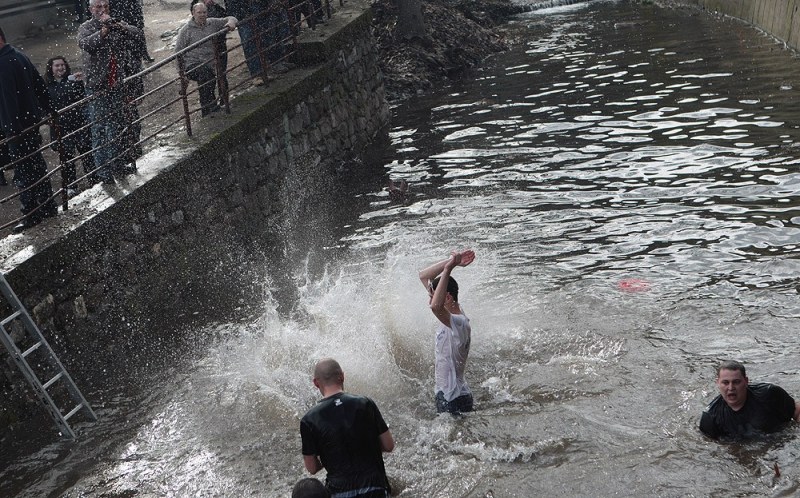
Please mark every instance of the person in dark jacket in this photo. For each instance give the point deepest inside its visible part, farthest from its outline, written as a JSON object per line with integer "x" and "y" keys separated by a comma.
{"x": 132, "y": 13}
{"x": 66, "y": 88}
{"x": 23, "y": 98}
{"x": 105, "y": 42}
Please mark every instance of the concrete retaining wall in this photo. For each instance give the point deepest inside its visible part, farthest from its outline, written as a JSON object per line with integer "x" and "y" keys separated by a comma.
{"x": 190, "y": 234}
{"x": 780, "y": 18}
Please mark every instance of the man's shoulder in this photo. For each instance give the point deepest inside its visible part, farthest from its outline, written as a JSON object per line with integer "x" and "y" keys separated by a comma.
{"x": 715, "y": 405}
{"x": 764, "y": 389}
{"x": 9, "y": 53}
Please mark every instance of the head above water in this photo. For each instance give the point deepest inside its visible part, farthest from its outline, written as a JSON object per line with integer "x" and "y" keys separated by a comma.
{"x": 732, "y": 383}
{"x": 731, "y": 365}
{"x": 452, "y": 287}
{"x": 328, "y": 372}
{"x": 309, "y": 487}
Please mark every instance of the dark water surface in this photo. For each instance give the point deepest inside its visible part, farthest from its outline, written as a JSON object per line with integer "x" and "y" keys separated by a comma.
{"x": 628, "y": 179}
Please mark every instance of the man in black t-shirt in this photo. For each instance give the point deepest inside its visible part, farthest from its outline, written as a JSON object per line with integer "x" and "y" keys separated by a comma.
{"x": 346, "y": 435}
{"x": 744, "y": 410}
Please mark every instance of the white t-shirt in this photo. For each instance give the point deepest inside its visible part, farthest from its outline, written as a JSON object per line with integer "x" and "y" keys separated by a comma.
{"x": 452, "y": 349}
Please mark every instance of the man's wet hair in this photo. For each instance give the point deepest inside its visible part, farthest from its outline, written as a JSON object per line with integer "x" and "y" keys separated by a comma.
{"x": 308, "y": 487}
{"x": 452, "y": 287}
{"x": 328, "y": 371}
{"x": 732, "y": 365}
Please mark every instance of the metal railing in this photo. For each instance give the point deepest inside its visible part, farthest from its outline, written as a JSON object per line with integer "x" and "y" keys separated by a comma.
{"x": 281, "y": 24}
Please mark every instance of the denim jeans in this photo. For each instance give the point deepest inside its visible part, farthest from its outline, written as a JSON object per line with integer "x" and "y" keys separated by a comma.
{"x": 107, "y": 117}
{"x": 247, "y": 32}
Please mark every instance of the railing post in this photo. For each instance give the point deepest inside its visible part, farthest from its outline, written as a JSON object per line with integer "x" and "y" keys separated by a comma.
{"x": 128, "y": 116}
{"x": 184, "y": 98}
{"x": 62, "y": 162}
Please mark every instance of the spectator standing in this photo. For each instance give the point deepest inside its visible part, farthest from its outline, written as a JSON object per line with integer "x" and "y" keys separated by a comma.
{"x": 346, "y": 435}
{"x": 65, "y": 89}
{"x": 216, "y": 11}
{"x": 23, "y": 97}
{"x": 104, "y": 42}
{"x": 200, "y": 60}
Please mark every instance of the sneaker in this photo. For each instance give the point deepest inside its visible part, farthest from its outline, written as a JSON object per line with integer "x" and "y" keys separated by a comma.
{"x": 27, "y": 223}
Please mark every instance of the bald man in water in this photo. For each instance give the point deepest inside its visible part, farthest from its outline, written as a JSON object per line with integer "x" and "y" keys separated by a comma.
{"x": 346, "y": 435}
{"x": 743, "y": 410}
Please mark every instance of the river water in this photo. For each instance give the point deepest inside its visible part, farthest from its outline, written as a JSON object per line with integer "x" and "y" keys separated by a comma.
{"x": 627, "y": 177}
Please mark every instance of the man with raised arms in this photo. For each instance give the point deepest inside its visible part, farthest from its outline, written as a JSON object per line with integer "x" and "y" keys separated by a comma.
{"x": 346, "y": 435}
{"x": 452, "y": 336}
{"x": 743, "y": 410}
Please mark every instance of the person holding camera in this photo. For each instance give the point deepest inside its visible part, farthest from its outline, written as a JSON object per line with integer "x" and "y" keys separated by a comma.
{"x": 106, "y": 43}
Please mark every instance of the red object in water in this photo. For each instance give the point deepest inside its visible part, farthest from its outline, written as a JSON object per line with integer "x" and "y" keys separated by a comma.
{"x": 633, "y": 285}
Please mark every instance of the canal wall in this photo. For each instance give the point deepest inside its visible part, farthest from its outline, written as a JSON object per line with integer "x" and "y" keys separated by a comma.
{"x": 189, "y": 237}
{"x": 780, "y": 18}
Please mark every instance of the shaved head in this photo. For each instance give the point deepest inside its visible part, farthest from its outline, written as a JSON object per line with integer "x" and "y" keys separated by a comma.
{"x": 328, "y": 372}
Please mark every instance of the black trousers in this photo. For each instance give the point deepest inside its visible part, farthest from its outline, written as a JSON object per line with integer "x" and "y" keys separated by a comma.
{"x": 206, "y": 80}
{"x": 28, "y": 172}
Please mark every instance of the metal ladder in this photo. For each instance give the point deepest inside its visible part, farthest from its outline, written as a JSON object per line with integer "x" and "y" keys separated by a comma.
{"x": 57, "y": 372}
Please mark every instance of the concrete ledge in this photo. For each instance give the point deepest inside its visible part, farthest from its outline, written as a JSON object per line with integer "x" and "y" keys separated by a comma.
{"x": 191, "y": 233}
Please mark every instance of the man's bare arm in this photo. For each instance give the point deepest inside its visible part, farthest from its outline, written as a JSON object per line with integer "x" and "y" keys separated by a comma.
{"x": 387, "y": 442}
{"x": 312, "y": 463}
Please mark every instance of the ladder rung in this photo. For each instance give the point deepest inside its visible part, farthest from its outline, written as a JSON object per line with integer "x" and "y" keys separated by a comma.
{"x": 73, "y": 411}
{"x": 32, "y": 349}
{"x": 11, "y": 317}
{"x": 51, "y": 381}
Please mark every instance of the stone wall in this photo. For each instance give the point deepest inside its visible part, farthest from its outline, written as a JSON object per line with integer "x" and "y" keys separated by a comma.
{"x": 190, "y": 237}
{"x": 780, "y": 18}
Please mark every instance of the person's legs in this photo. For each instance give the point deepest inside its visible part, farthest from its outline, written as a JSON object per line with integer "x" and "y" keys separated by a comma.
{"x": 27, "y": 173}
{"x": 276, "y": 30}
{"x": 247, "y": 34}
{"x": 104, "y": 113}
{"x": 206, "y": 81}
{"x": 457, "y": 406}
{"x": 84, "y": 146}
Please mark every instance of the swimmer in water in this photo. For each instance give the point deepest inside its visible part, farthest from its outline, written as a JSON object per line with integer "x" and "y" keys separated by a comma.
{"x": 453, "y": 335}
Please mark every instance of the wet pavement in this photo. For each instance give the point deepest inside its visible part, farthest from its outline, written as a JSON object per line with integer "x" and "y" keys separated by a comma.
{"x": 162, "y": 20}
